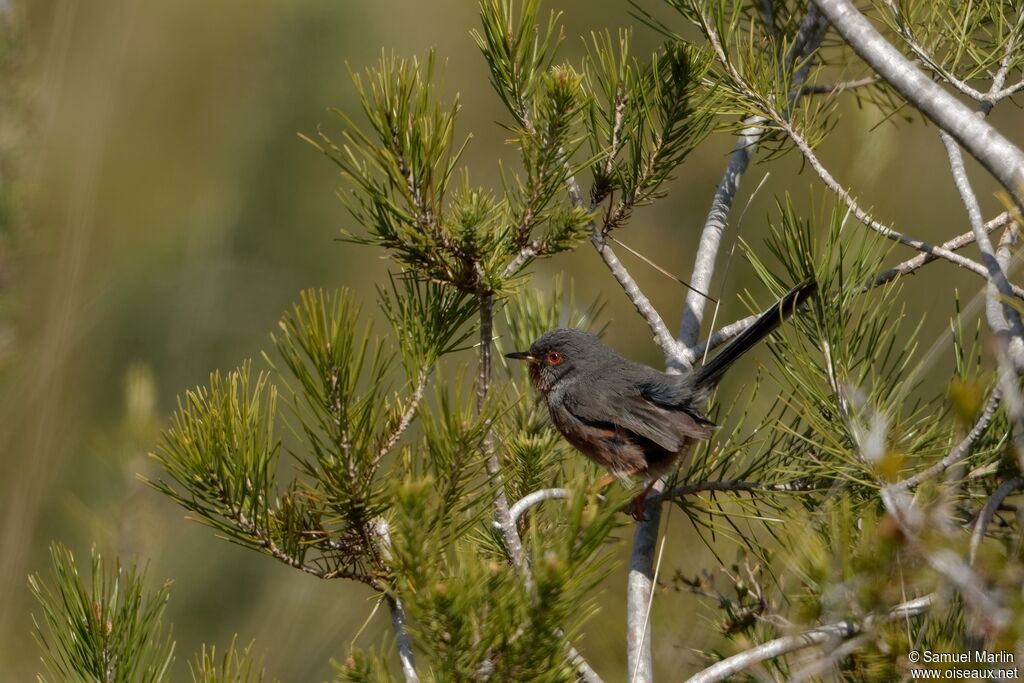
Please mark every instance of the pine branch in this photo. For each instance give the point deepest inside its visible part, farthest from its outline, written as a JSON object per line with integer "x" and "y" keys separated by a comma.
{"x": 535, "y": 498}
{"x": 962, "y": 449}
{"x": 407, "y": 415}
{"x": 1003, "y": 159}
{"x": 907, "y": 267}
{"x": 806, "y": 42}
{"x": 640, "y": 590}
{"x": 985, "y": 604}
{"x": 640, "y": 585}
{"x": 502, "y": 516}
{"x": 662, "y": 336}
{"x": 996, "y": 92}
{"x": 521, "y": 259}
{"x": 1003, "y": 318}
{"x": 806, "y": 149}
{"x": 959, "y": 242}
{"x": 876, "y": 225}
{"x": 398, "y": 616}
{"x": 738, "y": 663}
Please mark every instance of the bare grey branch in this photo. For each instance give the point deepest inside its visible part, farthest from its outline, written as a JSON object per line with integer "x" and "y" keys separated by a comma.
{"x": 989, "y": 510}
{"x": 962, "y": 449}
{"x": 958, "y": 242}
{"x": 639, "y": 589}
{"x": 502, "y": 516}
{"x": 988, "y": 607}
{"x": 997, "y": 154}
{"x": 808, "y": 38}
{"x": 738, "y": 663}
{"x": 398, "y": 619}
{"x": 870, "y": 221}
{"x": 528, "y": 501}
{"x": 643, "y": 305}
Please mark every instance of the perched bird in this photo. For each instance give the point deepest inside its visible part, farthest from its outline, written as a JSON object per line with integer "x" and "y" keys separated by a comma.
{"x": 629, "y": 417}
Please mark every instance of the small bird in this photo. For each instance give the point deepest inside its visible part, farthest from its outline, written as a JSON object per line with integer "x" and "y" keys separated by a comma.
{"x": 626, "y": 416}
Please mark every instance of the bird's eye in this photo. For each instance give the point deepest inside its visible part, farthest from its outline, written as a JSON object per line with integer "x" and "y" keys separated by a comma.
{"x": 554, "y": 358}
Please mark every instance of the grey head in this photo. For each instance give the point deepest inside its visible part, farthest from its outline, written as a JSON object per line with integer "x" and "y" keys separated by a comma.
{"x": 561, "y": 353}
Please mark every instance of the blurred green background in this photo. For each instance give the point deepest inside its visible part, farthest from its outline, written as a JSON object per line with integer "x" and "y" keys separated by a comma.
{"x": 159, "y": 213}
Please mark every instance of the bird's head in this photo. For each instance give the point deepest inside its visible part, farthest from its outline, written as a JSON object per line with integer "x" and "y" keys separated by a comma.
{"x": 558, "y": 354}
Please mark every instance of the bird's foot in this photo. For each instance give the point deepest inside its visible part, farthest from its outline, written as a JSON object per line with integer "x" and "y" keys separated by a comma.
{"x": 638, "y": 507}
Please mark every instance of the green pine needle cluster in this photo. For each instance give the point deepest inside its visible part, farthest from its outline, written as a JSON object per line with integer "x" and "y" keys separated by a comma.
{"x": 234, "y": 666}
{"x": 106, "y": 628}
{"x": 109, "y": 628}
{"x": 470, "y": 616}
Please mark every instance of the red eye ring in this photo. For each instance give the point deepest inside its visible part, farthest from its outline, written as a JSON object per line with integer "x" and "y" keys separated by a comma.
{"x": 554, "y": 358}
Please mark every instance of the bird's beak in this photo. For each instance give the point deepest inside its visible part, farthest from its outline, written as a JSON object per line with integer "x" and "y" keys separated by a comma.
{"x": 522, "y": 355}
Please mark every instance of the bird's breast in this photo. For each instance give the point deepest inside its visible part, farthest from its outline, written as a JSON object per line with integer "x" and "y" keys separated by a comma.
{"x": 608, "y": 445}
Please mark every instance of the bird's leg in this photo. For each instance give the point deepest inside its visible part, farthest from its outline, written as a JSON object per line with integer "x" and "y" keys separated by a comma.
{"x": 637, "y": 507}
{"x": 638, "y": 503}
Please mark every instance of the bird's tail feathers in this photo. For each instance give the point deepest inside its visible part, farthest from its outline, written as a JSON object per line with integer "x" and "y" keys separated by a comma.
{"x": 711, "y": 372}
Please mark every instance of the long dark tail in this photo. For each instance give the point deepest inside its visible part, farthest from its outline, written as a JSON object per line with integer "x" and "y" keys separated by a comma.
{"x": 711, "y": 372}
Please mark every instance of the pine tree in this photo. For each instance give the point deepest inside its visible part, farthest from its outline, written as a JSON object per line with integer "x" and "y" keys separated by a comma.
{"x": 869, "y": 520}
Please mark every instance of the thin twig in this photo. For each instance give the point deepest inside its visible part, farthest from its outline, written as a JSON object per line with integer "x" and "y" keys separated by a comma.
{"x": 661, "y": 270}
{"x": 958, "y": 242}
{"x": 840, "y": 87}
{"x": 948, "y": 564}
{"x": 907, "y": 267}
{"x": 989, "y": 510}
{"x": 738, "y": 663}
{"x": 525, "y": 255}
{"x": 925, "y": 58}
{"x": 261, "y": 538}
{"x": 398, "y": 618}
{"x": 407, "y": 416}
{"x": 502, "y": 517}
{"x": 528, "y": 501}
{"x": 962, "y": 449}
{"x": 643, "y": 305}
{"x": 996, "y": 91}
{"x": 1003, "y": 159}
{"x": 1001, "y": 315}
{"x": 876, "y": 225}
{"x": 615, "y": 136}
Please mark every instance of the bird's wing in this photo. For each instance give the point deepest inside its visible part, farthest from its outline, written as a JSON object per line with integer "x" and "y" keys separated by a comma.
{"x": 675, "y": 392}
{"x": 627, "y": 408}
